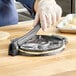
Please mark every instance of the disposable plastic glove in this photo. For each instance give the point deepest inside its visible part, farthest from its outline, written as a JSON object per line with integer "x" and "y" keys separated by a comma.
{"x": 48, "y": 12}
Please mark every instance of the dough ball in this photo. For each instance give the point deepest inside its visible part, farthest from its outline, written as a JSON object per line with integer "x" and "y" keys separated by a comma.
{"x": 4, "y": 35}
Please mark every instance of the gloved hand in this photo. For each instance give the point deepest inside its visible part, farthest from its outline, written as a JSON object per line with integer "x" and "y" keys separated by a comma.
{"x": 48, "y": 12}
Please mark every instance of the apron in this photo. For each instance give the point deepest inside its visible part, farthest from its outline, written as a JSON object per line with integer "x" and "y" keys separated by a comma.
{"x": 8, "y": 13}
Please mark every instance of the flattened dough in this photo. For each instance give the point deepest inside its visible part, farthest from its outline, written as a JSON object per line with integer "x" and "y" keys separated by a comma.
{"x": 73, "y": 21}
{"x": 69, "y": 26}
{"x": 4, "y": 35}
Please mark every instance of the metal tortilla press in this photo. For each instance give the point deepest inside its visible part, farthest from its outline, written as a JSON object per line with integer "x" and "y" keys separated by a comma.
{"x": 37, "y": 45}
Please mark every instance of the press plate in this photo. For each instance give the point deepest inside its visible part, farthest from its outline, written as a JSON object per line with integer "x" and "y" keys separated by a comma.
{"x": 43, "y": 45}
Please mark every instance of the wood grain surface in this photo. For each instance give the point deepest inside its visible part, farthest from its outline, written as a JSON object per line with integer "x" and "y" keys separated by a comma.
{"x": 62, "y": 64}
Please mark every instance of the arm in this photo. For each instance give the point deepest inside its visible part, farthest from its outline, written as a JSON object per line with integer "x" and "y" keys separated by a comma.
{"x": 47, "y": 11}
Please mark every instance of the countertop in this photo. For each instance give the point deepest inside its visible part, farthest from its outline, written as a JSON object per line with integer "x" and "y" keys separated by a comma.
{"x": 61, "y": 64}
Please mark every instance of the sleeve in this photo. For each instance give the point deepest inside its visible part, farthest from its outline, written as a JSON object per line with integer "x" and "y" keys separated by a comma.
{"x": 29, "y": 4}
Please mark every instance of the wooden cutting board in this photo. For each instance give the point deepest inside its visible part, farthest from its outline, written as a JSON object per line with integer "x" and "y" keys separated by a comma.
{"x": 61, "y": 64}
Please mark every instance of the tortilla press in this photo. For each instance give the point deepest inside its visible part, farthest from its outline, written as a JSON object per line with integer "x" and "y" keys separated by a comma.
{"x": 37, "y": 45}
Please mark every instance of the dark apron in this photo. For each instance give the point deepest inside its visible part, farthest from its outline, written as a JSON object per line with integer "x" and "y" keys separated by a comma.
{"x": 8, "y": 13}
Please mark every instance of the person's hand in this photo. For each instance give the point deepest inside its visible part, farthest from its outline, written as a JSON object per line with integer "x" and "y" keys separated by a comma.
{"x": 48, "y": 12}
